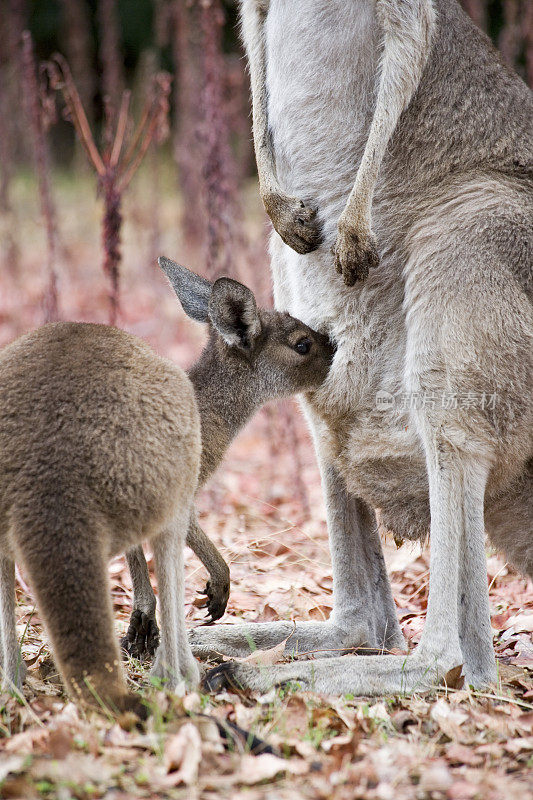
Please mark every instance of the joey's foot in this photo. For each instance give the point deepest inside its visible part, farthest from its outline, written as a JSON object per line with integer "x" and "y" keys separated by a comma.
{"x": 295, "y": 222}
{"x": 220, "y": 678}
{"x": 217, "y": 594}
{"x": 355, "y": 254}
{"x": 302, "y": 640}
{"x": 142, "y": 638}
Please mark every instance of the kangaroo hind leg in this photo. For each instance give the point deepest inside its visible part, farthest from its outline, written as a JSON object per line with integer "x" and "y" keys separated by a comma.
{"x": 174, "y": 662}
{"x": 13, "y": 667}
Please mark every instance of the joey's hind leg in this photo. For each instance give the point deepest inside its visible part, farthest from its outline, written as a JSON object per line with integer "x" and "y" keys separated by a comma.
{"x": 174, "y": 662}
{"x": 142, "y": 637}
{"x": 363, "y": 614}
{"x": 401, "y": 70}
{"x": 68, "y": 574}
{"x": 13, "y": 667}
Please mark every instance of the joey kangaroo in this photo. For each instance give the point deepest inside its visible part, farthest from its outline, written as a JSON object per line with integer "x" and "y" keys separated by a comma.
{"x": 389, "y": 131}
{"x": 228, "y": 393}
{"x": 103, "y": 445}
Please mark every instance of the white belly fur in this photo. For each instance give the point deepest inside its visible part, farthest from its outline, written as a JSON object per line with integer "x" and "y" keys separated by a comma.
{"x": 319, "y": 122}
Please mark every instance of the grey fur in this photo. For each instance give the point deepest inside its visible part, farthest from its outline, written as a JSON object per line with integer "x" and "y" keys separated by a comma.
{"x": 193, "y": 290}
{"x": 397, "y": 120}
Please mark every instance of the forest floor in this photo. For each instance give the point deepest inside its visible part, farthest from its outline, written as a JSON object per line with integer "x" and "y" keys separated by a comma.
{"x": 264, "y": 511}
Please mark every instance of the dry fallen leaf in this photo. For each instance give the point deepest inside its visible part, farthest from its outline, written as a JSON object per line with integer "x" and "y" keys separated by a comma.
{"x": 522, "y": 623}
{"x": 448, "y": 719}
{"x": 436, "y": 777}
{"x": 254, "y": 769}
{"x": 11, "y": 764}
{"x": 182, "y": 756}
{"x": 454, "y": 678}
{"x": 266, "y": 658}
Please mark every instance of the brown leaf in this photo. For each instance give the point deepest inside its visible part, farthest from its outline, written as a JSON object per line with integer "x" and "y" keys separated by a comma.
{"x": 454, "y": 678}
{"x": 459, "y": 754}
{"x": 519, "y": 745}
{"x": 522, "y": 623}
{"x": 267, "y": 614}
{"x": 182, "y": 756}
{"x": 10, "y": 764}
{"x": 60, "y": 741}
{"x": 266, "y": 658}
{"x": 254, "y": 769}
{"x": 449, "y": 720}
{"x": 436, "y": 778}
{"x": 320, "y": 612}
{"x": 461, "y": 790}
{"x": 525, "y": 721}
{"x": 17, "y": 787}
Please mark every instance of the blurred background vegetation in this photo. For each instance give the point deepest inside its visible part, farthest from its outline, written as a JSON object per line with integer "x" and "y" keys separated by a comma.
{"x": 175, "y": 69}
{"x": 134, "y": 34}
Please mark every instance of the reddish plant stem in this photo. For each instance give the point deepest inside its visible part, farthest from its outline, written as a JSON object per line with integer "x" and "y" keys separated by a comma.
{"x": 110, "y": 56}
{"x": 111, "y": 226}
{"x": 15, "y": 19}
{"x": 121, "y": 130}
{"x": 114, "y": 172}
{"x": 10, "y": 251}
{"x": 477, "y": 10}
{"x": 79, "y": 50}
{"x": 61, "y": 78}
{"x": 219, "y": 188}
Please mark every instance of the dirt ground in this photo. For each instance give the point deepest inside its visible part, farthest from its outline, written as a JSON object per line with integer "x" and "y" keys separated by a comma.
{"x": 264, "y": 511}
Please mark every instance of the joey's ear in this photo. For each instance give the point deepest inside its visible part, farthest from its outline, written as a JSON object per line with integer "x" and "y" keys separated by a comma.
{"x": 192, "y": 290}
{"x": 233, "y": 312}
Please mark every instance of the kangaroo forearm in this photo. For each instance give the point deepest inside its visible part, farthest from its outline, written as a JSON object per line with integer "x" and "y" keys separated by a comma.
{"x": 208, "y": 554}
{"x": 407, "y": 29}
{"x": 253, "y": 19}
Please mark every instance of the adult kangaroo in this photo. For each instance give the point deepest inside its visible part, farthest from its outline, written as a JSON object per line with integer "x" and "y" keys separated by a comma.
{"x": 390, "y": 131}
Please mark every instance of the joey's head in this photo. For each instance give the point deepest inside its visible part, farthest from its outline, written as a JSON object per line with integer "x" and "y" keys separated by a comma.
{"x": 268, "y": 353}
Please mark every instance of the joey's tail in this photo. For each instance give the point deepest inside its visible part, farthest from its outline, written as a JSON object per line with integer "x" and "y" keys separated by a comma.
{"x": 63, "y": 553}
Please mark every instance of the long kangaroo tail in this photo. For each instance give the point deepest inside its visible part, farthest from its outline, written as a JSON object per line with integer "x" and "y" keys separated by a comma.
{"x": 63, "y": 552}
{"x": 509, "y": 518}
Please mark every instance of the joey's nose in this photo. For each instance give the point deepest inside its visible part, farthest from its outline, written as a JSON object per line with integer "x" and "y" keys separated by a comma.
{"x": 329, "y": 347}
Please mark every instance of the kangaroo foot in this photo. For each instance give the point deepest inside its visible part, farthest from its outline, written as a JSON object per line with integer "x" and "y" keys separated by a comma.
{"x": 142, "y": 638}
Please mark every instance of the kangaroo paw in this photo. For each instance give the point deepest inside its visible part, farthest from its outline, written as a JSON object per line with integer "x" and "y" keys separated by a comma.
{"x": 142, "y": 638}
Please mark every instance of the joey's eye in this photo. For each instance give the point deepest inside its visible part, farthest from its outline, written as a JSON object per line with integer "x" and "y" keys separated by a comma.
{"x": 303, "y": 346}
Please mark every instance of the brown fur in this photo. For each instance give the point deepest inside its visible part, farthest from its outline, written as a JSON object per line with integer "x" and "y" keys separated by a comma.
{"x": 101, "y": 449}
